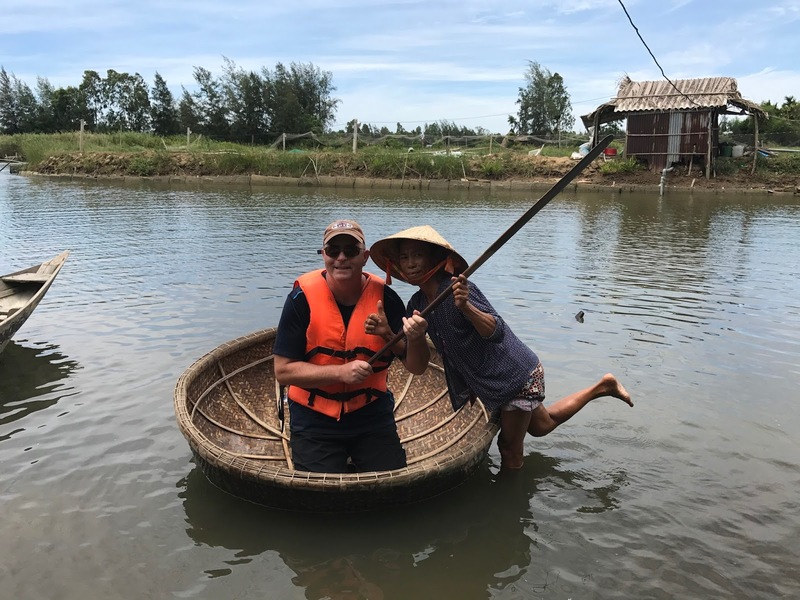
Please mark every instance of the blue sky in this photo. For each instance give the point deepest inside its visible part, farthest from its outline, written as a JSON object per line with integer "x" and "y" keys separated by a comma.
{"x": 413, "y": 61}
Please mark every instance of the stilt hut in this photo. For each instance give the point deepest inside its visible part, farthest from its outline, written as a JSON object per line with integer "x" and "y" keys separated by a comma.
{"x": 674, "y": 121}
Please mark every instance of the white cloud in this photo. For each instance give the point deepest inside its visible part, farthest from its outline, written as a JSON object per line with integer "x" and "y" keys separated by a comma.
{"x": 413, "y": 60}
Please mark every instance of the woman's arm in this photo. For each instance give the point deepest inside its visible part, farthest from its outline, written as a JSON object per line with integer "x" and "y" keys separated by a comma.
{"x": 484, "y": 323}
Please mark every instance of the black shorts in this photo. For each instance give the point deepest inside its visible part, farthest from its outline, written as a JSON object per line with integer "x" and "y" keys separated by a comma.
{"x": 365, "y": 440}
{"x": 373, "y": 451}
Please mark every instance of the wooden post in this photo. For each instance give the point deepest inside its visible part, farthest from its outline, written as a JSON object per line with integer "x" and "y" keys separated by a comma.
{"x": 491, "y": 139}
{"x": 283, "y": 140}
{"x": 80, "y": 137}
{"x": 755, "y": 144}
{"x": 710, "y": 142}
{"x": 355, "y": 135}
{"x": 188, "y": 136}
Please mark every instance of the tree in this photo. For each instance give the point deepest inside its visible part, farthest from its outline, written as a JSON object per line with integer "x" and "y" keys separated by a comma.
{"x": 298, "y": 99}
{"x": 245, "y": 94}
{"x": 68, "y": 108}
{"x": 188, "y": 112}
{"x": 91, "y": 88}
{"x": 782, "y": 128}
{"x": 27, "y": 107}
{"x": 210, "y": 106}
{"x": 433, "y": 132}
{"x": 9, "y": 123}
{"x": 126, "y": 102}
{"x": 790, "y": 109}
{"x": 613, "y": 128}
{"x": 163, "y": 112}
{"x": 544, "y": 103}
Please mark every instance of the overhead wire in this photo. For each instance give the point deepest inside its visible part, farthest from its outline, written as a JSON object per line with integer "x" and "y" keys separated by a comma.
{"x": 636, "y": 29}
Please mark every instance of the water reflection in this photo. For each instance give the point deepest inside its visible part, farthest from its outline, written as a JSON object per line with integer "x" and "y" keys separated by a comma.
{"x": 470, "y": 542}
{"x": 29, "y": 376}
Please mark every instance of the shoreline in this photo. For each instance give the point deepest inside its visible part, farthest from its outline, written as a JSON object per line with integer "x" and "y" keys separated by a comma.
{"x": 364, "y": 183}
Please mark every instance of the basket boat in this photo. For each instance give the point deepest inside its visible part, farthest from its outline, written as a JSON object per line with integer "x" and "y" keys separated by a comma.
{"x": 21, "y": 292}
{"x": 227, "y": 407}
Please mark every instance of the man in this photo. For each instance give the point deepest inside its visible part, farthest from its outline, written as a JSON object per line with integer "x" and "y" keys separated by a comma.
{"x": 339, "y": 405}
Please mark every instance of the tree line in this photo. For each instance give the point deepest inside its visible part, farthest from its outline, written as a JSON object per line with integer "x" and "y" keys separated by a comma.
{"x": 782, "y": 128}
{"x": 237, "y": 105}
{"x": 241, "y": 105}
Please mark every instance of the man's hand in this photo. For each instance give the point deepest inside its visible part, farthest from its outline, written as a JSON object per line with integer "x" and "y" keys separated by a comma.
{"x": 378, "y": 324}
{"x": 356, "y": 371}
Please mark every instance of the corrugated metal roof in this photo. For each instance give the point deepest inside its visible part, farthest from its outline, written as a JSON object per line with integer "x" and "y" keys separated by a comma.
{"x": 686, "y": 94}
{"x": 691, "y": 94}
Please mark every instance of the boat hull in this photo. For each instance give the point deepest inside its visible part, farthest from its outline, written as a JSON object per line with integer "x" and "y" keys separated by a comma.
{"x": 227, "y": 408}
{"x": 22, "y": 291}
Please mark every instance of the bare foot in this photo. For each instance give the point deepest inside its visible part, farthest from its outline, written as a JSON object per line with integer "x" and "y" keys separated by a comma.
{"x": 614, "y": 388}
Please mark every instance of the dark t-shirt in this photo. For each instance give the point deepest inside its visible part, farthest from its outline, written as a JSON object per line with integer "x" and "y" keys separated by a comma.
{"x": 290, "y": 342}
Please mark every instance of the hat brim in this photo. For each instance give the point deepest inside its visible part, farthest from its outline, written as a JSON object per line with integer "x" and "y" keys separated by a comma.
{"x": 381, "y": 251}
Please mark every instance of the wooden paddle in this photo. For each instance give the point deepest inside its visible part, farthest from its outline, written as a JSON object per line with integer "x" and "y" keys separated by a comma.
{"x": 537, "y": 206}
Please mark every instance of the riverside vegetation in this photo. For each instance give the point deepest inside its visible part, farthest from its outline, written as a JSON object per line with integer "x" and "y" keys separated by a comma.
{"x": 144, "y": 155}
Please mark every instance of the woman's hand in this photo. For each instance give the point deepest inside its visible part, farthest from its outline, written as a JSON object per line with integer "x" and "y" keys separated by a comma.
{"x": 414, "y": 327}
{"x": 460, "y": 292}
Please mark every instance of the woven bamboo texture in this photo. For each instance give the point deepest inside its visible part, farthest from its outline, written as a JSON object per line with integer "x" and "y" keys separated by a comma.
{"x": 226, "y": 406}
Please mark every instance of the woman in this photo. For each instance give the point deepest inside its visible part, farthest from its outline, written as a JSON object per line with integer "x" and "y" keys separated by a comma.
{"x": 482, "y": 356}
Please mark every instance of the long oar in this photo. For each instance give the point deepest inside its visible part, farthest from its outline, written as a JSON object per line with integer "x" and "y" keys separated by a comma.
{"x": 538, "y": 205}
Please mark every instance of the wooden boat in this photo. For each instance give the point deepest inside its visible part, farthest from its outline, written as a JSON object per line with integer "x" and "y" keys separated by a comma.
{"x": 21, "y": 292}
{"x": 228, "y": 409}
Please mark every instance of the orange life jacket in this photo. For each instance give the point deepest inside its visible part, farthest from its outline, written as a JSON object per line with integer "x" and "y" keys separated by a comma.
{"x": 328, "y": 342}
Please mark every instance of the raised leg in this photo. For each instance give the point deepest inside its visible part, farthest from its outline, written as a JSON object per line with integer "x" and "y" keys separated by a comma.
{"x": 544, "y": 421}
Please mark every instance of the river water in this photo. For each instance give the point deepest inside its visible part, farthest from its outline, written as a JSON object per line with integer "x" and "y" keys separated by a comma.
{"x": 693, "y": 302}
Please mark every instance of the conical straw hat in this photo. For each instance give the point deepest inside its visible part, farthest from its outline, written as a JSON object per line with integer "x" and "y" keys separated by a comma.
{"x": 383, "y": 252}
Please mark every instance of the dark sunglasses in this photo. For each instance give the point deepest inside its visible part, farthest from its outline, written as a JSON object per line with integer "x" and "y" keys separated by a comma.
{"x": 334, "y": 251}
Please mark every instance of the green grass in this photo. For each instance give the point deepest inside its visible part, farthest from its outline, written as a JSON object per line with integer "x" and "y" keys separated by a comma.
{"x": 146, "y": 155}
{"x": 623, "y": 165}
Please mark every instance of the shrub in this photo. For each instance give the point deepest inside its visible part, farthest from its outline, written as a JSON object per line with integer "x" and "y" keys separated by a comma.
{"x": 626, "y": 165}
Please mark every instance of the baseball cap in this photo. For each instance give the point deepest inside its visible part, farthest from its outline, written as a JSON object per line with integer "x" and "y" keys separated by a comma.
{"x": 343, "y": 227}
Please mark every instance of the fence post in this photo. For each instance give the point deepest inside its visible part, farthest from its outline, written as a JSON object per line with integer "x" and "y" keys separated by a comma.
{"x": 355, "y": 135}
{"x": 80, "y": 137}
{"x": 188, "y": 136}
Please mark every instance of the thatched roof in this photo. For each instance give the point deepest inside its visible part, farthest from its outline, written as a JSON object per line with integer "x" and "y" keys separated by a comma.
{"x": 661, "y": 96}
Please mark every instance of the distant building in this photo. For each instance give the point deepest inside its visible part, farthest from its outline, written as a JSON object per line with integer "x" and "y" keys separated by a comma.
{"x": 678, "y": 123}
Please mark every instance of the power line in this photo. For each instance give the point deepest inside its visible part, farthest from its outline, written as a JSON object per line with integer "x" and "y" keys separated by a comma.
{"x": 651, "y": 54}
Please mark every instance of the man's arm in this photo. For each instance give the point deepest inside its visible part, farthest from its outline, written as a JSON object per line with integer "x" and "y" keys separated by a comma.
{"x": 291, "y": 371}
{"x": 289, "y": 349}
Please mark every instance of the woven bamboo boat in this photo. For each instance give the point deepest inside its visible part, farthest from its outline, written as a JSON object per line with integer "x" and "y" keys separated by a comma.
{"x": 21, "y": 292}
{"x": 227, "y": 408}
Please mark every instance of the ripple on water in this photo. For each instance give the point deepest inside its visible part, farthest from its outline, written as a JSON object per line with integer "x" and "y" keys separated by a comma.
{"x": 691, "y": 302}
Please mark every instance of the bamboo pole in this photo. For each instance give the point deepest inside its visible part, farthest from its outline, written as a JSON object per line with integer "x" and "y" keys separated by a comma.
{"x": 710, "y": 142}
{"x": 509, "y": 233}
{"x": 755, "y": 145}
